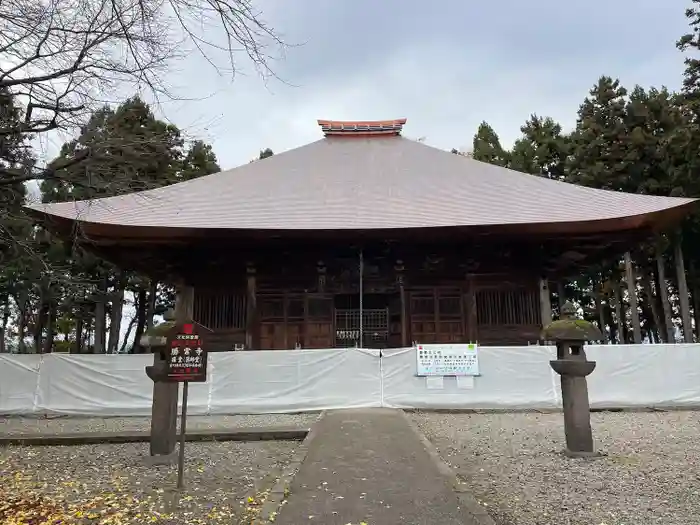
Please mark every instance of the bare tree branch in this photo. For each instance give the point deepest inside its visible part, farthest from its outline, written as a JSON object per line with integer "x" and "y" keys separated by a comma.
{"x": 62, "y": 58}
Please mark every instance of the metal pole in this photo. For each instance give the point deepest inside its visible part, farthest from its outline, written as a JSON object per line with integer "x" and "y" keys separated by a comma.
{"x": 362, "y": 268}
{"x": 183, "y": 429}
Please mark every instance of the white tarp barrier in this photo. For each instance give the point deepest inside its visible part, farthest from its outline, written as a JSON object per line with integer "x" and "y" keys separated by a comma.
{"x": 19, "y": 381}
{"x": 511, "y": 377}
{"x": 300, "y": 380}
{"x": 296, "y": 380}
{"x": 628, "y": 376}
{"x": 107, "y": 385}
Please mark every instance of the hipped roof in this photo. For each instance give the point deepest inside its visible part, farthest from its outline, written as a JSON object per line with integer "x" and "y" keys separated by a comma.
{"x": 367, "y": 183}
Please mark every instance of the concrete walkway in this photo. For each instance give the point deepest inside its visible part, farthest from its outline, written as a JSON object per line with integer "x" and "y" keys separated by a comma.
{"x": 371, "y": 466}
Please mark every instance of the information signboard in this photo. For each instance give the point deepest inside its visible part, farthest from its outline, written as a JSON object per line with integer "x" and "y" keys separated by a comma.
{"x": 447, "y": 360}
{"x": 187, "y": 360}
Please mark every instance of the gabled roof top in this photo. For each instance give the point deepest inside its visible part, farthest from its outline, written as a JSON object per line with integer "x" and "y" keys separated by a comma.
{"x": 375, "y": 182}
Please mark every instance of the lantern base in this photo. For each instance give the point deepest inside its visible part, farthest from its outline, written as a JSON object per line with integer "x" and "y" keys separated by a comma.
{"x": 582, "y": 455}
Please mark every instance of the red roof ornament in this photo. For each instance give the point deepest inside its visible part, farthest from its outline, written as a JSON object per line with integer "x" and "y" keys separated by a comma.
{"x": 362, "y": 127}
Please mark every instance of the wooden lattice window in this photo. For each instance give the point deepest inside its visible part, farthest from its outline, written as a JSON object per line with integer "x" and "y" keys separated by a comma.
{"x": 219, "y": 311}
{"x": 514, "y": 306}
{"x": 271, "y": 308}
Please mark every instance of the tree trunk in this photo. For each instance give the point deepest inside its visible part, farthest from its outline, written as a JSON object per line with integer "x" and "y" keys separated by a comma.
{"x": 649, "y": 293}
{"x": 610, "y": 320}
{"x": 632, "y": 291}
{"x": 683, "y": 294}
{"x": 696, "y": 298}
{"x": 663, "y": 293}
{"x": 100, "y": 313}
{"x": 22, "y": 304}
{"x": 47, "y": 346}
{"x": 599, "y": 310}
{"x": 115, "y": 318}
{"x": 619, "y": 313}
{"x": 129, "y": 328}
{"x": 142, "y": 305}
{"x": 79, "y": 321}
{"x": 89, "y": 336}
{"x": 40, "y": 323}
{"x": 5, "y": 302}
{"x": 151, "y": 311}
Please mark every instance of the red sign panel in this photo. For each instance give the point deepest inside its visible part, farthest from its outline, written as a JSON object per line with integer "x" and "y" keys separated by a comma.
{"x": 187, "y": 360}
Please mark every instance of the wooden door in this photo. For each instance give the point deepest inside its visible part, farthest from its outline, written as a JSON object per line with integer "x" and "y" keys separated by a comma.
{"x": 288, "y": 320}
{"x": 437, "y": 316}
{"x": 271, "y": 309}
{"x": 319, "y": 322}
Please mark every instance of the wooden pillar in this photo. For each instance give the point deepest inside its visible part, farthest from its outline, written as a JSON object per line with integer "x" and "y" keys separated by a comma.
{"x": 545, "y": 303}
{"x": 251, "y": 309}
{"x": 401, "y": 281}
{"x": 164, "y": 407}
{"x": 683, "y": 295}
{"x": 472, "y": 319}
{"x": 632, "y": 291}
{"x": 321, "y": 277}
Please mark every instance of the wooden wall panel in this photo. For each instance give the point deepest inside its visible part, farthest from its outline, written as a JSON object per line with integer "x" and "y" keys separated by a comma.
{"x": 488, "y": 309}
{"x": 437, "y": 315}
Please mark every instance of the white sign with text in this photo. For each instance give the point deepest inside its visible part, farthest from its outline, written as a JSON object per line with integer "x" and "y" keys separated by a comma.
{"x": 447, "y": 360}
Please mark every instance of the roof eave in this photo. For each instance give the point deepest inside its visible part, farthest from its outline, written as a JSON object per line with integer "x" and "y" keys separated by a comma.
{"x": 104, "y": 233}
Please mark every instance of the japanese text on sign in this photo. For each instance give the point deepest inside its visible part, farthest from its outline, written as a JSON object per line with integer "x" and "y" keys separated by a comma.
{"x": 188, "y": 359}
{"x": 447, "y": 360}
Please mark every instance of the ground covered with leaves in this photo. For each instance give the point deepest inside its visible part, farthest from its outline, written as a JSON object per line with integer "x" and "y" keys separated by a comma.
{"x": 112, "y": 484}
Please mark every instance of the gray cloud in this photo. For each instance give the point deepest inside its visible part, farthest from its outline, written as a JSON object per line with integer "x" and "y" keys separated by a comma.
{"x": 446, "y": 68}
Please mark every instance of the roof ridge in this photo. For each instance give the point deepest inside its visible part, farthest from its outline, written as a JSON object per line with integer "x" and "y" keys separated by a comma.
{"x": 361, "y": 127}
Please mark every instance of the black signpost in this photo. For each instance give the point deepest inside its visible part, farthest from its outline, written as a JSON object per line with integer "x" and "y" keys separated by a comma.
{"x": 186, "y": 362}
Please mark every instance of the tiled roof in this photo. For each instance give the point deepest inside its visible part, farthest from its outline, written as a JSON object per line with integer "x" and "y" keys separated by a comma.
{"x": 363, "y": 183}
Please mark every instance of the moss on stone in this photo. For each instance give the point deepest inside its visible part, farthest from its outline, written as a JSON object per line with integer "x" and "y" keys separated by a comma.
{"x": 571, "y": 330}
{"x": 161, "y": 329}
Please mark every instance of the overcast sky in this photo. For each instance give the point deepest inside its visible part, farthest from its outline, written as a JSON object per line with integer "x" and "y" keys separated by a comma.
{"x": 446, "y": 66}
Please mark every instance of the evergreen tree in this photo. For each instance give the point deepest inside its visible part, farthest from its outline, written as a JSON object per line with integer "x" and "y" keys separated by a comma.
{"x": 130, "y": 150}
{"x": 487, "y": 146}
{"x": 542, "y": 150}
{"x": 200, "y": 160}
{"x": 597, "y": 156}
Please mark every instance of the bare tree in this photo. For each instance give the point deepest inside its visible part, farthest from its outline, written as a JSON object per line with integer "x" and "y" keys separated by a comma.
{"x": 61, "y": 57}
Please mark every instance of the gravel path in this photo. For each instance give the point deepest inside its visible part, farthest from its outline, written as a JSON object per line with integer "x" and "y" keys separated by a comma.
{"x": 29, "y": 425}
{"x": 110, "y": 484}
{"x": 651, "y": 474}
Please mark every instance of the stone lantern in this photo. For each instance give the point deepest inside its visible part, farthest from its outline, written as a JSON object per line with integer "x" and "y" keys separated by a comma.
{"x": 165, "y": 394}
{"x": 570, "y": 334}
{"x": 155, "y": 340}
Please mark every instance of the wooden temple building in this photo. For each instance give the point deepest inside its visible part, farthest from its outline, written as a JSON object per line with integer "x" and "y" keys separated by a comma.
{"x": 366, "y": 238}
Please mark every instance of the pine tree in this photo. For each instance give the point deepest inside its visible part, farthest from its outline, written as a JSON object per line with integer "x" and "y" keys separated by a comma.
{"x": 598, "y": 144}
{"x": 542, "y": 150}
{"x": 130, "y": 150}
{"x": 487, "y": 146}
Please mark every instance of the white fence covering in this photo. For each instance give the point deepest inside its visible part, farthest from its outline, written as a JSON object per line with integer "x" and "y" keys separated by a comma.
{"x": 301, "y": 380}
